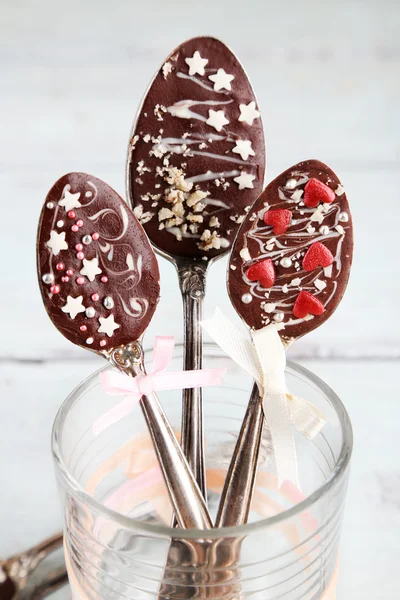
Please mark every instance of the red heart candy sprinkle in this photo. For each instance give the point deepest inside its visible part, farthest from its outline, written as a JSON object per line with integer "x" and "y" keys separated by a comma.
{"x": 307, "y": 304}
{"x": 316, "y": 256}
{"x": 263, "y": 271}
{"x": 315, "y": 192}
{"x": 279, "y": 219}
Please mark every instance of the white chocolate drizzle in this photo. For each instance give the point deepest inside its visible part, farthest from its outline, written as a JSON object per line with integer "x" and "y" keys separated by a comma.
{"x": 289, "y": 249}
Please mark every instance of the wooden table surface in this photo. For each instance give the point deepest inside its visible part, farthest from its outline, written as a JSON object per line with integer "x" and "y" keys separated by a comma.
{"x": 327, "y": 79}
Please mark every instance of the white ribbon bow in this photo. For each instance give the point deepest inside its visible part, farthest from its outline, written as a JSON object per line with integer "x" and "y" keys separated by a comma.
{"x": 265, "y": 360}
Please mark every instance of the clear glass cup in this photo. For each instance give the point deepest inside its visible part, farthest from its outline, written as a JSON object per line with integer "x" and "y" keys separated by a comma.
{"x": 117, "y": 511}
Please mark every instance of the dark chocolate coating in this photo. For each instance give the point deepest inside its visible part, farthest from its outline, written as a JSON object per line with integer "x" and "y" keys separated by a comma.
{"x": 123, "y": 254}
{"x": 255, "y": 235}
{"x": 161, "y": 140}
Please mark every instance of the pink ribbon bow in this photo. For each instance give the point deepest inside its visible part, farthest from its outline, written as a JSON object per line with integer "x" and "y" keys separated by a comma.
{"x": 116, "y": 383}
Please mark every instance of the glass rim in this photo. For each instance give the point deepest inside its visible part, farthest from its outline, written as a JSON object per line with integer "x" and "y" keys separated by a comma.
{"x": 194, "y": 534}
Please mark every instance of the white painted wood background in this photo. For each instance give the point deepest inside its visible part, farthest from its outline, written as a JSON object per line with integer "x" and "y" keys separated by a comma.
{"x": 328, "y": 82}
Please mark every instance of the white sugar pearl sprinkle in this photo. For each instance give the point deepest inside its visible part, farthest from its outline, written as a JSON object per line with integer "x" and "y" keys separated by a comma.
{"x": 90, "y": 312}
{"x": 324, "y": 230}
{"x": 343, "y": 217}
{"x": 279, "y": 317}
{"x": 247, "y": 298}
{"x": 87, "y": 239}
{"x": 108, "y": 302}
{"x": 48, "y": 278}
{"x": 89, "y": 341}
{"x": 50, "y": 205}
{"x": 286, "y": 262}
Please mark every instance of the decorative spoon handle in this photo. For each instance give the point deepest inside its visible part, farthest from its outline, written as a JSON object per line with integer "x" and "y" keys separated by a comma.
{"x": 238, "y": 489}
{"x": 45, "y": 547}
{"x": 192, "y": 278}
{"x": 186, "y": 497}
{"x": 55, "y": 580}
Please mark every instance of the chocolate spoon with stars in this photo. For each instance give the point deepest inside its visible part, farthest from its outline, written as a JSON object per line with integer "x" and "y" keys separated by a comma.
{"x": 195, "y": 166}
{"x": 99, "y": 281}
{"x": 289, "y": 265}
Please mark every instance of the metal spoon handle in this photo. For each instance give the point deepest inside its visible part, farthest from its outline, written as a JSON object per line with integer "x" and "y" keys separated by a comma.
{"x": 235, "y": 502}
{"x": 46, "y": 546}
{"x": 30, "y": 558}
{"x": 186, "y": 497}
{"x": 53, "y": 581}
{"x": 192, "y": 279}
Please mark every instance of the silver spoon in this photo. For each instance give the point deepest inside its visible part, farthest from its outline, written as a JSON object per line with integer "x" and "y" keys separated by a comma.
{"x": 176, "y": 153}
{"x": 186, "y": 498}
{"x": 236, "y": 497}
{"x": 122, "y": 302}
{"x": 15, "y": 571}
{"x": 322, "y": 182}
{"x": 188, "y": 156}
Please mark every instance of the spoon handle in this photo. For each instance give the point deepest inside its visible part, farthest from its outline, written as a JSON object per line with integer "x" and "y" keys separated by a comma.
{"x": 46, "y": 546}
{"x": 54, "y": 581}
{"x": 33, "y": 556}
{"x": 192, "y": 278}
{"x": 187, "y": 500}
{"x": 235, "y": 502}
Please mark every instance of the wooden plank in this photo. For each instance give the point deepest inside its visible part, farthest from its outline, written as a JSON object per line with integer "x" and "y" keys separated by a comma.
{"x": 81, "y": 31}
{"x": 82, "y": 115}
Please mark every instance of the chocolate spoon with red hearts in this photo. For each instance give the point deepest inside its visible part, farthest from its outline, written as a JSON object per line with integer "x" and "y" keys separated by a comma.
{"x": 99, "y": 281}
{"x": 289, "y": 267}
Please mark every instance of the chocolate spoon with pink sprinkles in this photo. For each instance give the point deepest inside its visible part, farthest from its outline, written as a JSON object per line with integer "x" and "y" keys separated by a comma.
{"x": 99, "y": 281}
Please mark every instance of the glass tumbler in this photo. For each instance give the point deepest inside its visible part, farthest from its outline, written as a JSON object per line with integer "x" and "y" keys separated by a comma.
{"x": 119, "y": 543}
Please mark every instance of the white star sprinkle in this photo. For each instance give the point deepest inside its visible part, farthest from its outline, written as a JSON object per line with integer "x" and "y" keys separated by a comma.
{"x": 57, "y": 242}
{"x": 108, "y": 325}
{"x": 245, "y": 180}
{"x": 243, "y": 147}
{"x": 70, "y": 201}
{"x": 217, "y": 119}
{"x": 73, "y": 306}
{"x": 222, "y": 80}
{"x": 248, "y": 112}
{"x": 196, "y": 64}
{"x": 90, "y": 268}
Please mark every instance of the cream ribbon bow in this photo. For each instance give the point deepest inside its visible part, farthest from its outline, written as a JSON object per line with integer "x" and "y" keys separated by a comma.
{"x": 265, "y": 361}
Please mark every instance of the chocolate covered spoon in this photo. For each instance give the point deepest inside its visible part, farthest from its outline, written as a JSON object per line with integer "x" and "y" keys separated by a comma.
{"x": 99, "y": 281}
{"x": 289, "y": 265}
{"x": 195, "y": 166}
